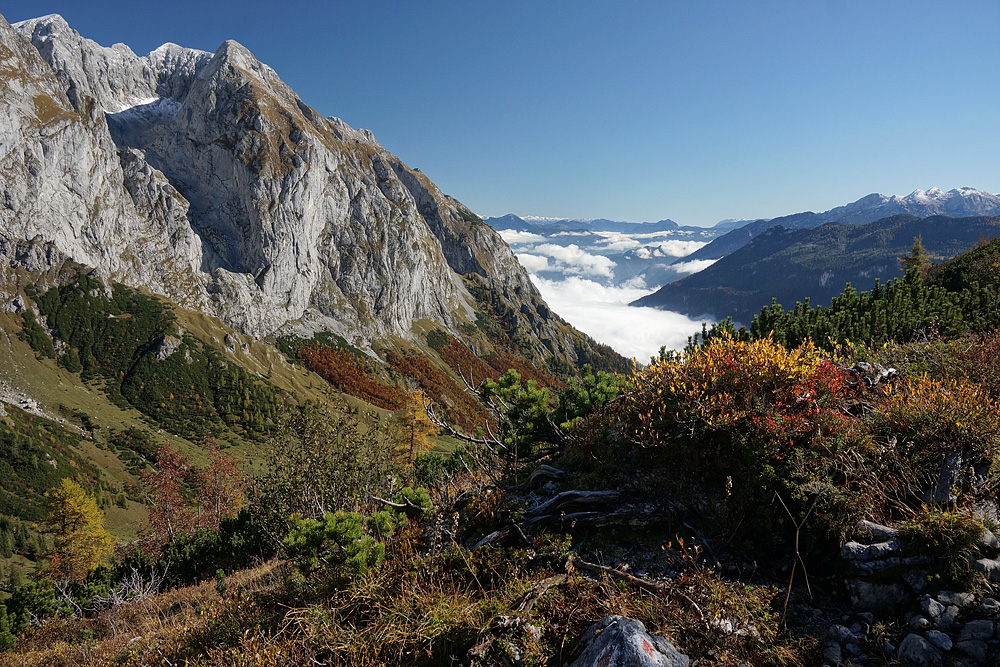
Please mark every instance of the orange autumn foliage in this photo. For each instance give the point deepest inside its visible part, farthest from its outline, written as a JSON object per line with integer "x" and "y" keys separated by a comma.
{"x": 460, "y": 406}
{"x": 348, "y": 374}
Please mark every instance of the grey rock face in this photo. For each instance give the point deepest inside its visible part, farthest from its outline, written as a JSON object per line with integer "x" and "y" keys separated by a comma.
{"x": 616, "y": 641}
{"x": 867, "y": 595}
{"x": 982, "y": 629}
{"x": 868, "y": 552}
{"x": 988, "y": 567}
{"x": 238, "y": 198}
{"x": 939, "y": 639}
{"x": 64, "y": 186}
{"x": 918, "y": 652}
{"x": 113, "y": 76}
{"x": 876, "y": 530}
{"x": 959, "y": 599}
{"x": 931, "y": 607}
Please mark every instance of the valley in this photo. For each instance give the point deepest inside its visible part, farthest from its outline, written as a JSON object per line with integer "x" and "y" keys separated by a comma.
{"x": 271, "y": 397}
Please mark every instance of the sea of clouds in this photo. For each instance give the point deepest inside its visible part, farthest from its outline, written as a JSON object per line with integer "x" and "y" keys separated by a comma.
{"x": 589, "y": 278}
{"x": 603, "y": 313}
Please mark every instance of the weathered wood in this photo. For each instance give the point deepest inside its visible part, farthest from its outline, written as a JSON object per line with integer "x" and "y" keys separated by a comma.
{"x": 538, "y": 591}
{"x": 495, "y": 536}
{"x": 543, "y": 472}
{"x": 576, "y": 521}
{"x": 574, "y": 499}
{"x": 648, "y": 586}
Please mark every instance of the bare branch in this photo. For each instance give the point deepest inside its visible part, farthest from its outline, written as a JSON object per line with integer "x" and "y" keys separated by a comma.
{"x": 648, "y": 586}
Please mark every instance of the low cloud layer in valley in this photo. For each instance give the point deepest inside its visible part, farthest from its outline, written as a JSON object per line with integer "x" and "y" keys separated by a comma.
{"x": 590, "y": 276}
{"x": 603, "y": 313}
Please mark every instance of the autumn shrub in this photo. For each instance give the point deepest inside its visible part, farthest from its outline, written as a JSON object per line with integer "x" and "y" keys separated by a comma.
{"x": 81, "y": 540}
{"x": 183, "y": 498}
{"x": 949, "y": 537}
{"x": 973, "y": 359}
{"x": 940, "y": 417}
{"x": 457, "y": 404}
{"x": 465, "y": 362}
{"x": 735, "y": 402}
{"x": 741, "y": 429}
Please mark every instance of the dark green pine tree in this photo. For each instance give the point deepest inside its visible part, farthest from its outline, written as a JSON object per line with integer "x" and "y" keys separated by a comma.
{"x": 918, "y": 261}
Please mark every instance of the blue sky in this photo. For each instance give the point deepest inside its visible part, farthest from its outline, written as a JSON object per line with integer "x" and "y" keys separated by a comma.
{"x": 696, "y": 111}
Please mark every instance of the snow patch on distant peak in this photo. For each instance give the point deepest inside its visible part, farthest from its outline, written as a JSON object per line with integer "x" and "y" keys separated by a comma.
{"x": 49, "y": 20}
{"x": 542, "y": 218}
{"x": 175, "y": 51}
{"x": 131, "y": 104}
{"x": 932, "y": 195}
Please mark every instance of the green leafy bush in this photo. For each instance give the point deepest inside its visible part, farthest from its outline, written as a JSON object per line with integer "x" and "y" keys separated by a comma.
{"x": 324, "y": 458}
{"x": 431, "y": 468}
{"x": 340, "y": 542}
{"x": 418, "y": 501}
{"x": 8, "y": 636}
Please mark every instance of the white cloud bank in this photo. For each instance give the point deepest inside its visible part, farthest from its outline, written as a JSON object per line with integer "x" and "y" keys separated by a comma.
{"x": 603, "y": 313}
{"x": 516, "y": 237}
{"x": 694, "y": 266}
{"x": 533, "y": 263}
{"x": 574, "y": 260}
{"x": 672, "y": 248}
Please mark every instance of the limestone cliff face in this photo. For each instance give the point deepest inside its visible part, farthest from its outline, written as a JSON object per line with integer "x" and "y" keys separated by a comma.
{"x": 61, "y": 182}
{"x": 205, "y": 178}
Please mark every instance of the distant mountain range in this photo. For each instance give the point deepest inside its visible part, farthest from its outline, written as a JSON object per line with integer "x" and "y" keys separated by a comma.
{"x": 654, "y": 254}
{"x": 555, "y": 225}
{"x": 957, "y": 203}
{"x": 642, "y": 254}
{"x": 791, "y": 265}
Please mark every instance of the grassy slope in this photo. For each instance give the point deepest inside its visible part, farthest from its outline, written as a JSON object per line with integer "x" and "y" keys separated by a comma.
{"x": 63, "y": 396}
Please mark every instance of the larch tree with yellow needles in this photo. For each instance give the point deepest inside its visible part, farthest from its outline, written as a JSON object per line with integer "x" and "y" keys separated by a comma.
{"x": 81, "y": 540}
{"x": 415, "y": 423}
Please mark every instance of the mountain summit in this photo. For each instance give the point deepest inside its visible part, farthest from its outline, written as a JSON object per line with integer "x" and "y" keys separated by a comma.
{"x": 203, "y": 177}
{"x": 958, "y": 203}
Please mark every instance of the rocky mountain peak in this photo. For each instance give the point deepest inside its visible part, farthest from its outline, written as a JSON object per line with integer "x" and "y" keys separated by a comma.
{"x": 205, "y": 178}
{"x": 240, "y": 56}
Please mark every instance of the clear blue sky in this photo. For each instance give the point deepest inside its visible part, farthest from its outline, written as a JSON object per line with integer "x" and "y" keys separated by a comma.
{"x": 629, "y": 110}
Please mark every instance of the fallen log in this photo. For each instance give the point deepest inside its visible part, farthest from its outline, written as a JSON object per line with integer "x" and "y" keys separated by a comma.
{"x": 573, "y": 499}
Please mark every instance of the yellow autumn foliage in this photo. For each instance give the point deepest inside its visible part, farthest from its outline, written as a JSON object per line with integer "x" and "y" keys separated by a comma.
{"x": 723, "y": 383}
{"x": 81, "y": 540}
{"x": 942, "y": 414}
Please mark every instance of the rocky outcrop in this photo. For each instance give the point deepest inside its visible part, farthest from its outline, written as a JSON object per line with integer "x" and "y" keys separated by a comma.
{"x": 943, "y": 627}
{"x": 239, "y": 199}
{"x": 616, "y": 641}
